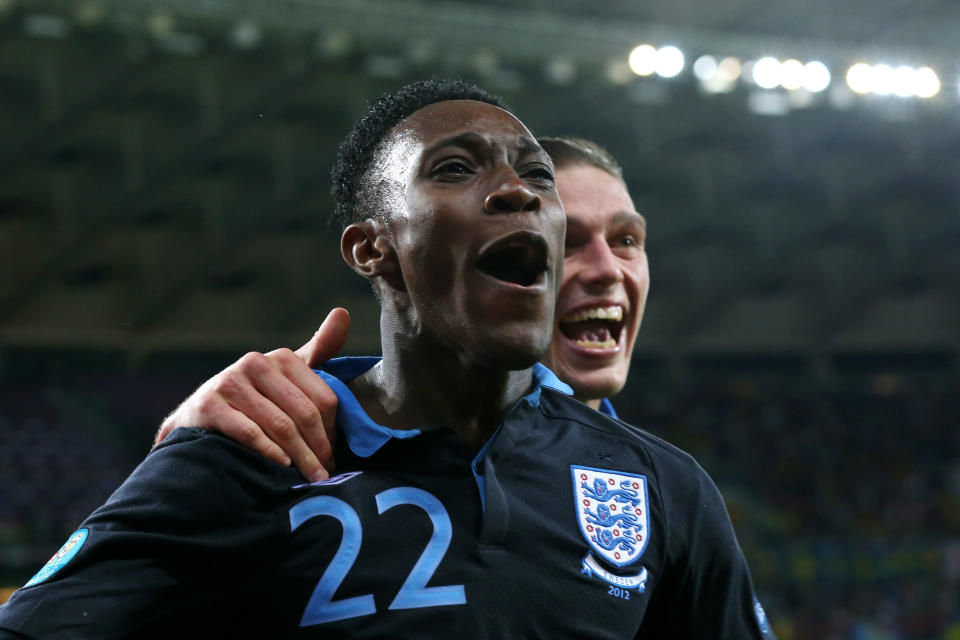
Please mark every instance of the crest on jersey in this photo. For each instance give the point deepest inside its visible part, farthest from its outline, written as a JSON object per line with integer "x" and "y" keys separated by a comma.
{"x": 612, "y": 513}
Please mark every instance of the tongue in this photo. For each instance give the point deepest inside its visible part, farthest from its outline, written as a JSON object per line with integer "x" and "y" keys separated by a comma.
{"x": 592, "y": 331}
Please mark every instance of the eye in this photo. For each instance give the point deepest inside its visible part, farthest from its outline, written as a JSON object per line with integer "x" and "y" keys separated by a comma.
{"x": 452, "y": 168}
{"x": 629, "y": 243}
{"x": 540, "y": 174}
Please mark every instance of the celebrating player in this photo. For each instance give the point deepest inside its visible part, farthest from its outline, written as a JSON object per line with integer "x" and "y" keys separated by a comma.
{"x": 275, "y": 405}
{"x": 477, "y": 498}
{"x": 605, "y": 273}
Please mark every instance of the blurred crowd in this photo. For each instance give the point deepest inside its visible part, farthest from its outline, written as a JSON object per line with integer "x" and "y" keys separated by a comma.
{"x": 847, "y": 503}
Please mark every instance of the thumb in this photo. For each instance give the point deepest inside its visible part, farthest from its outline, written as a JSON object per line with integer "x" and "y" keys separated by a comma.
{"x": 328, "y": 340}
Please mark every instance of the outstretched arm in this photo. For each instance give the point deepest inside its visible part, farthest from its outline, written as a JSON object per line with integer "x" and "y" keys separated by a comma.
{"x": 273, "y": 403}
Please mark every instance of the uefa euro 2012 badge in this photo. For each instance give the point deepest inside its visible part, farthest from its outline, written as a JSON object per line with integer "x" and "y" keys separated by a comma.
{"x": 613, "y": 518}
{"x": 66, "y": 553}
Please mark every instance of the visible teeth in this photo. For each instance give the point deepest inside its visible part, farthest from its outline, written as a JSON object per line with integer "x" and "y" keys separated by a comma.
{"x": 590, "y": 344}
{"x": 597, "y": 313}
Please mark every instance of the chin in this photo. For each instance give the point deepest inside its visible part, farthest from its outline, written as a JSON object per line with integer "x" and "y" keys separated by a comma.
{"x": 512, "y": 354}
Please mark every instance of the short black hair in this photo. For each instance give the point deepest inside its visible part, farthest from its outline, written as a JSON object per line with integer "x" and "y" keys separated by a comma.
{"x": 570, "y": 152}
{"x": 358, "y": 150}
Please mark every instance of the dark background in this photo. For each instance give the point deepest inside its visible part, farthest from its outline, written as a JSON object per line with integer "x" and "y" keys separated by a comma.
{"x": 163, "y": 204}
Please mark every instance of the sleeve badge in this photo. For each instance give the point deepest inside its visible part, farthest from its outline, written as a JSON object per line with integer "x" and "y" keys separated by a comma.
{"x": 60, "y": 559}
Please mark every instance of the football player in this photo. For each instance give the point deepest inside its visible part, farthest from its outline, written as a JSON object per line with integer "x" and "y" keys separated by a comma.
{"x": 475, "y": 495}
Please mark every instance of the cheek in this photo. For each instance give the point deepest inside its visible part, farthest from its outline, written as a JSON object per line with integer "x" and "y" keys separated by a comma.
{"x": 571, "y": 266}
{"x": 430, "y": 260}
{"x": 638, "y": 281}
{"x": 644, "y": 280}
{"x": 431, "y": 265}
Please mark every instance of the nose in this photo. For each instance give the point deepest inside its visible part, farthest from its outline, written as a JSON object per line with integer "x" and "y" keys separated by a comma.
{"x": 599, "y": 267}
{"x": 512, "y": 196}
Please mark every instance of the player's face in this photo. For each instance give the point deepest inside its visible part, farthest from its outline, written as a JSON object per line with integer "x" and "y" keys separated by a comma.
{"x": 478, "y": 231}
{"x": 605, "y": 283}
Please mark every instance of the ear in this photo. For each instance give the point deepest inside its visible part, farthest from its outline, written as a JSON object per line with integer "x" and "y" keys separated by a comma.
{"x": 367, "y": 249}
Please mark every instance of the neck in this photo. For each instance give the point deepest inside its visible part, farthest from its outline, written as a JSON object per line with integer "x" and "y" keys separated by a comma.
{"x": 593, "y": 403}
{"x": 419, "y": 384}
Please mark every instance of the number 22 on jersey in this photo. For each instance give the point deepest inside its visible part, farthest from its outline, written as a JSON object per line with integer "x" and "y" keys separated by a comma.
{"x": 413, "y": 593}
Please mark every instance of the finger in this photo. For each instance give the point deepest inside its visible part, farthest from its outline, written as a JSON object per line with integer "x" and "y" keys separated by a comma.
{"x": 328, "y": 340}
{"x": 245, "y": 431}
{"x": 319, "y": 434}
{"x": 184, "y": 415}
{"x": 165, "y": 428}
{"x": 187, "y": 414}
{"x": 284, "y": 413}
{"x": 211, "y": 410}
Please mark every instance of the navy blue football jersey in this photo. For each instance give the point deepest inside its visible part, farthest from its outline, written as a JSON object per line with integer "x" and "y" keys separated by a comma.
{"x": 566, "y": 524}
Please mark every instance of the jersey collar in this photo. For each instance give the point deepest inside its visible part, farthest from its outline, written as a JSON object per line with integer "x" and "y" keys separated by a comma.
{"x": 607, "y": 408}
{"x": 364, "y": 436}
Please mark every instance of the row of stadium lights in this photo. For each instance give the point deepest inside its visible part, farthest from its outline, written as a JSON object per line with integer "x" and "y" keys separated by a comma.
{"x": 644, "y": 60}
{"x": 770, "y": 73}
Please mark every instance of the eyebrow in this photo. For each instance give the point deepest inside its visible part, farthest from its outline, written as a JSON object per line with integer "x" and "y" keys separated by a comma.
{"x": 630, "y": 217}
{"x": 472, "y": 140}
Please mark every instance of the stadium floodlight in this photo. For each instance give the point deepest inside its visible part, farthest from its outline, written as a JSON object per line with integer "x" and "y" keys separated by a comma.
{"x": 926, "y": 83}
{"x": 670, "y": 61}
{"x": 717, "y": 78}
{"x": 860, "y": 78}
{"x": 729, "y": 69}
{"x": 791, "y": 74}
{"x": 705, "y": 68}
{"x": 816, "y": 76}
{"x": 766, "y": 72}
{"x": 903, "y": 85}
{"x": 643, "y": 60}
{"x": 883, "y": 79}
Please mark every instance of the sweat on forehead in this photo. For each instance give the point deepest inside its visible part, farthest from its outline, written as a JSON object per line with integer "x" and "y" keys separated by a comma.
{"x": 350, "y": 187}
{"x": 470, "y": 125}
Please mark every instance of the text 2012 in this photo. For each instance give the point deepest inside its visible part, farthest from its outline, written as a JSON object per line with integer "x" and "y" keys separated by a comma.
{"x": 618, "y": 592}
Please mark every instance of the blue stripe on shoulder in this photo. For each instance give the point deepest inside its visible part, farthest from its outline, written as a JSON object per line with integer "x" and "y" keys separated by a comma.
{"x": 364, "y": 436}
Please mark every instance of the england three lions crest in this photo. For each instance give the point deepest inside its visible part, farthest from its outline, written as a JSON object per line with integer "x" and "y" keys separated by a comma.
{"x": 613, "y": 517}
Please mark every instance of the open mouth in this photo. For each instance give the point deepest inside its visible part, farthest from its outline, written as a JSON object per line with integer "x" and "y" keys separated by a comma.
{"x": 594, "y": 328}
{"x": 519, "y": 259}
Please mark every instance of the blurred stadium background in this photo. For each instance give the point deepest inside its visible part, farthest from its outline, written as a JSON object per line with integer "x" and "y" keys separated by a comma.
{"x": 163, "y": 203}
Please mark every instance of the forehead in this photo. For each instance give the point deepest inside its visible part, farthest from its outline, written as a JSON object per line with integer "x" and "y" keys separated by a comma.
{"x": 591, "y": 196}
{"x": 441, "y": 120}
